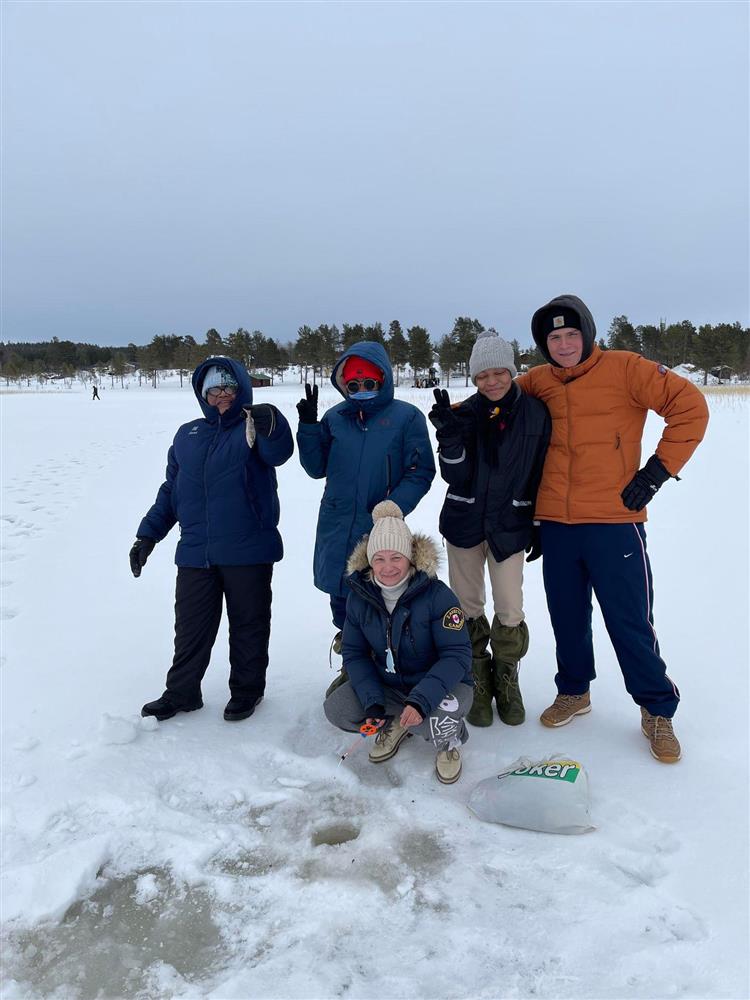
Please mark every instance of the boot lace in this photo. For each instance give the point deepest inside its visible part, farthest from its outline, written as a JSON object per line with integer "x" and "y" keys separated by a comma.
{"x": 663, "y": 728}
{"x": 568, "y": 700}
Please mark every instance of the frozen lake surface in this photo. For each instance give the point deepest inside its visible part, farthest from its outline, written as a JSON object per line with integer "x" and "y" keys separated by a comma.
{"x": 194, "y": 858}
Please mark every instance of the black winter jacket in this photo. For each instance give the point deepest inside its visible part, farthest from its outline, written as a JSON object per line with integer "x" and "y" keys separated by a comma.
{"x": 493, "y": 466}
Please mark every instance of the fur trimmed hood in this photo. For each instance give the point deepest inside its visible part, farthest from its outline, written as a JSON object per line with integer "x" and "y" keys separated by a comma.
{"x": 425, "y": 556}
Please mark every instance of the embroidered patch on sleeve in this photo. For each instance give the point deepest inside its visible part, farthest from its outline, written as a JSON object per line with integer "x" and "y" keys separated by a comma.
{"x": 453, "y": 618}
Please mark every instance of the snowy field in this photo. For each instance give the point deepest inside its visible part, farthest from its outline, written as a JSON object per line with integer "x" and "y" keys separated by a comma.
{"x": 195, "y": 858}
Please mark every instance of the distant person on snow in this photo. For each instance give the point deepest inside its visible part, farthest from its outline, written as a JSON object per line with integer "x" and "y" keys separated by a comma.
{"x": 221, "y": 488}
{"x": 368, "y": 448}
{"x": 405, "y": 646}
{"x": 95, "y": 395}
{"x": 491, "y": 450}
{"x": 591, "y": 505}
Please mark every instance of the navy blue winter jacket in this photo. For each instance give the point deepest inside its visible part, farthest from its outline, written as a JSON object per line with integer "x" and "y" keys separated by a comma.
{"x": 367, "y": 451}
{"x": 222, "y": 493}
{"x": 426, "y": 633}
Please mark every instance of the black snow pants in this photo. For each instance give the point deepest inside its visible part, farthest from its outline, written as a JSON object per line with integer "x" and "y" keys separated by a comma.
{"x": 198, "y": 602}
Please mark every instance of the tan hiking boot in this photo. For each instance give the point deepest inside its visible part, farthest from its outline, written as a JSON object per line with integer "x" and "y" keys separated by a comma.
{"x": 658, "y": 731}
{"x": 448, "y": 766}
{"x": 388, "y": 741}
{"x": 564, "y": 709}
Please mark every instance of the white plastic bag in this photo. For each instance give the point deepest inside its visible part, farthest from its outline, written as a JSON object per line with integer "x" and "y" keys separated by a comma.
{"x": 550, "y": 795}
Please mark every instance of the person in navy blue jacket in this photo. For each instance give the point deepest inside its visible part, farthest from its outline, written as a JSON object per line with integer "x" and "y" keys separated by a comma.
{"x": 221, "y": 488}
{"x": 368, "y": 448}
{"x": 405, "y": 646}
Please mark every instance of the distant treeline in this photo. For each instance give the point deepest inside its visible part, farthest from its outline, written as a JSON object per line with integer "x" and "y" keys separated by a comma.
{"x": 722, "y": 350}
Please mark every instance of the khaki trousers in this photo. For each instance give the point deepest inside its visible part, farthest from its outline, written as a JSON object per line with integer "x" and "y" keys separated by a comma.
{"x": 466, "y": 575}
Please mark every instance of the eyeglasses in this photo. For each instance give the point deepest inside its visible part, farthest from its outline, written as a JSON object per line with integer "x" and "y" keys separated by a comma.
{"x": 222, "y": 390}
{"x": 358, "y": 384}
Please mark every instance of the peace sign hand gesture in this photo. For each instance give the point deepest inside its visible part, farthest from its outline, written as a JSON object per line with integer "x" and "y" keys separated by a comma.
{"x": 308, "y": 407}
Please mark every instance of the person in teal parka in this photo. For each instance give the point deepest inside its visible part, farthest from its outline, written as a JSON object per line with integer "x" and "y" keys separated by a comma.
{"x": 368, "y": 448}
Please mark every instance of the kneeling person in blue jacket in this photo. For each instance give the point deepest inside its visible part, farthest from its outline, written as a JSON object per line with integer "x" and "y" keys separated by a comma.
{"x": 221, "y": 488}
{"x": 406, "y": 648}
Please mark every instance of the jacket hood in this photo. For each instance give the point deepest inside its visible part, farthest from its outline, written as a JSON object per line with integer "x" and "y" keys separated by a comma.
{"x": 588, "y": 327}
{"x": 374, "y": 352}
{"x": 244, "y": 395}
{"x": 425, "y": 556}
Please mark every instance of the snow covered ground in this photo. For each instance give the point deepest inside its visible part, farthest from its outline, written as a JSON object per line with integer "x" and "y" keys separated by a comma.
{"x": 196, "y": 858}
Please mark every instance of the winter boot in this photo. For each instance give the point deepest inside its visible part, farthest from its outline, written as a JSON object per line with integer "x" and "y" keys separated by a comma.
{"x": 564, "y": 709}
{"x": 480, "y": 713}
{"x": 342, "y": 677}
{"x": 658, "y": 731}
{"x": 164, "y": 708}
{"x": 448, "y": 766}
{"x": 509, "y": 645}
{"x": 388, "y": 741}
{"x": 238, "y": 709}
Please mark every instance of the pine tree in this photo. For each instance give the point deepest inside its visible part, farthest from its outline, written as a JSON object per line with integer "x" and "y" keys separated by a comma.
{"x": 398, "y": 348}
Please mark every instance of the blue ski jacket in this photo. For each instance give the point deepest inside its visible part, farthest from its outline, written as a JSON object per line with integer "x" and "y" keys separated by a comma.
{"x": 426, "y": 634}
{"x": 366, "y": 451}
{"x": 222, "y": 493}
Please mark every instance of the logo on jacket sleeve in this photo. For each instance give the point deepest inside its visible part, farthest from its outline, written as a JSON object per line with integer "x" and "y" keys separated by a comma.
{"x": 453, "y": 619}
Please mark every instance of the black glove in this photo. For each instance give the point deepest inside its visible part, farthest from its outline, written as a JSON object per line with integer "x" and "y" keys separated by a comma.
{"x": 375, "y": 712}
{"x": 644, "y": 484}
{"x": 308, "y": 407}
{"x": 441, "y": 416}
{"x": 141, "y": 550}
{"x": 264, "y": 418}
{"x": 534, "y": 548}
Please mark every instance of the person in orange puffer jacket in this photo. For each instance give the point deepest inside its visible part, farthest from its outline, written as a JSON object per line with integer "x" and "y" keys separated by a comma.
{"x": 591, "y": 507}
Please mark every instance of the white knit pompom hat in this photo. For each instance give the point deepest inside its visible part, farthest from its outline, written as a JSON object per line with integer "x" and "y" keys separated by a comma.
{"x": 491, "y": 351}
{"x": 389, "y": 533}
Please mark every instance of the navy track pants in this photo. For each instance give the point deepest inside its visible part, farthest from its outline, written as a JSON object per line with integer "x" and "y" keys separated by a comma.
{"x": 611, "y": 560}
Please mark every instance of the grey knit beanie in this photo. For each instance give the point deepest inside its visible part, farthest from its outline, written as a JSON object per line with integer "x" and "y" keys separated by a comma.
{"x": 218, "y": 377}
{"x": 389, "y": 533}
{"x": 491, "y": 351}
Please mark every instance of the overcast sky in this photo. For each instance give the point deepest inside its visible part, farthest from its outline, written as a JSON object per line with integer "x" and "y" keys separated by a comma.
{"x": 170, "y": 167}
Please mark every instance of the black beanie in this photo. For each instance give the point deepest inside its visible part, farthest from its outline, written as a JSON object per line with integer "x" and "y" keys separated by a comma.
{"x": 555, "y": 318}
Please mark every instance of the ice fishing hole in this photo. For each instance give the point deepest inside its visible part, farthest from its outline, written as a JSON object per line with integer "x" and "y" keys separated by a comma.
{"x": 335, "y": 834}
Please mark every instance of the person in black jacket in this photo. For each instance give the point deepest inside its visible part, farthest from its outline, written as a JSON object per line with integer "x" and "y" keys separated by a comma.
{"x": 405, "y": 646}
{"x": 491, "y": 449}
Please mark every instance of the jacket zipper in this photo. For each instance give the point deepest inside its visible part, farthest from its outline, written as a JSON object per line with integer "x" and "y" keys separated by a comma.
{"x": 205, "y": 487}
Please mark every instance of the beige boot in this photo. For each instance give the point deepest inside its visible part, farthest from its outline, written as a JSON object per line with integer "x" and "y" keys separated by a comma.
{"x": 658, "y": 731}
{"x": 564, "y": 709}
{"x": 388, "y": 741}
{"x": 448, "y": 766}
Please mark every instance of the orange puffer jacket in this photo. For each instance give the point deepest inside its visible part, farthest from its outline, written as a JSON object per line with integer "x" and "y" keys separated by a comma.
{"x": 598, "y": 412}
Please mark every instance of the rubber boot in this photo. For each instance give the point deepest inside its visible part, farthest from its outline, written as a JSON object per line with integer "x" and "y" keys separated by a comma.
{"x": 341, "y": 677}
{"x": 509, "y": 644}
{"x": 480, "y": 713}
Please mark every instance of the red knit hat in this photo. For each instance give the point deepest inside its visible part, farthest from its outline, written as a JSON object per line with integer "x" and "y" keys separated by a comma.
{"x": 358, "y": 368}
